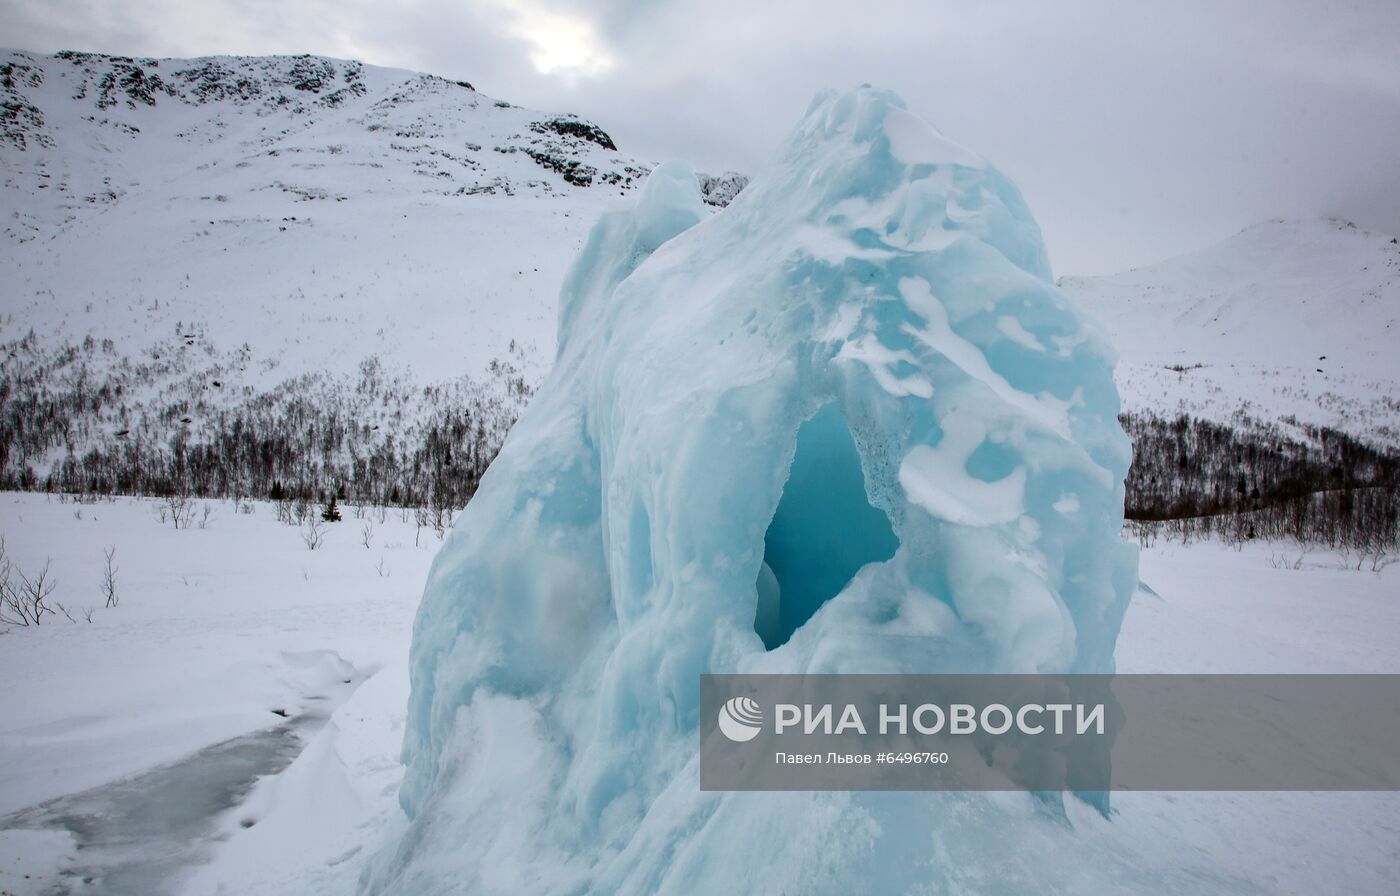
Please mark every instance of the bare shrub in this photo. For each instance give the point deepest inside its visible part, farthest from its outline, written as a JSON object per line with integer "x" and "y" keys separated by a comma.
{"x": 1283, "y": 561}
{"x": 177, "y": 509}
{"x": 22, "y": 599}
{"x": 109, "y": 578}
{"x": 313, "y": 533}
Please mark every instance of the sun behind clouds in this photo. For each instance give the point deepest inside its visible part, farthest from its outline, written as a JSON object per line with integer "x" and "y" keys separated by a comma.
{"x": 562, "y": 43}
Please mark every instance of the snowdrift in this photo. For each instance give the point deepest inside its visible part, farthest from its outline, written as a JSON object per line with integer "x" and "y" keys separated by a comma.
{"x": 848, "y": 424}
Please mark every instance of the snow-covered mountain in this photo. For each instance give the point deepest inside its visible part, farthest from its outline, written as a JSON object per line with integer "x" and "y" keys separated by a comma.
{"x": 288, "y": 238}
{"x": 1288, "y": 320}
{"x": 194, "y": 235}
{"x": 315, "y": 209}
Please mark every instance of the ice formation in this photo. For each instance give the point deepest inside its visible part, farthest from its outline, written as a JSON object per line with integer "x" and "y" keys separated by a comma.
{"x": 848, "y": 424}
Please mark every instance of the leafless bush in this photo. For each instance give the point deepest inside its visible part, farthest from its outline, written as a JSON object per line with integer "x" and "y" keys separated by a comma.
{"x": 22, "y": 599}
{"x": 206, "y": 517}
{"x": 421, "y": 518}
{"x": 313, "y": 533}
{"x": 177, "y": 509}
{"x": 381, "y": 569}
{"x": 442, "y": 520}
{"x": 1144, "y": 532}
{"x": 1283, "y": 561}
{"x": 366, "y": 533}
{"x": 109, "y": 578}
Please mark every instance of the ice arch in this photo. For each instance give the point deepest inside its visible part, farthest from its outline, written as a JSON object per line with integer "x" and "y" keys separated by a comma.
{"x": 824, "y": 530}
{"x": 881, "y": 299}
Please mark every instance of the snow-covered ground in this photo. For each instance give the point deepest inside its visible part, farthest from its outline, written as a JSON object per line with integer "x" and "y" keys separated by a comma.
{"x": 1218, "y": 609}
{"x": 219, "y": 628}
{"x": 220, "y": 632}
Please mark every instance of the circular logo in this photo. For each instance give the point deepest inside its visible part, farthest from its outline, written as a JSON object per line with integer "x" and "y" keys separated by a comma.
{"x": 740, "y": 719}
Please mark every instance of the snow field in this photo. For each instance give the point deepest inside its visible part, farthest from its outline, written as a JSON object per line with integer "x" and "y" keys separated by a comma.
{"x": 177, "y": 667}
{"x": 218, "y": 632}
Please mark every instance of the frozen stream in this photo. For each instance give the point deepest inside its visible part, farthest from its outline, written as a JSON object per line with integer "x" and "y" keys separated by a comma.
{"x": 133, "y": 836}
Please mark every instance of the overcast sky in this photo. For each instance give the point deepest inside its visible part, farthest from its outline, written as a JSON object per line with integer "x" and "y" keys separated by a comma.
{"x": 1136, "y": 130}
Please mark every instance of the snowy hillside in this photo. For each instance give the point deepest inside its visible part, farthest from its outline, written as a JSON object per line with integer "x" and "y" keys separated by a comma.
{"x": 1293, "y": 319}
{"x": 191, "y": 239}
{"x": 256, "y": 199}
{"x": 320, "y": 254}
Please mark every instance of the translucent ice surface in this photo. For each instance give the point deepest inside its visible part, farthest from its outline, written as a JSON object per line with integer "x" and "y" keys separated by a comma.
{"x": 848, "y": 424}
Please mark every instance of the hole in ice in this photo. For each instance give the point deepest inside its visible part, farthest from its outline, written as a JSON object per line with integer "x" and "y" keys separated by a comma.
{"x": 822, "y": 533}
{"x": 992, "y": 462}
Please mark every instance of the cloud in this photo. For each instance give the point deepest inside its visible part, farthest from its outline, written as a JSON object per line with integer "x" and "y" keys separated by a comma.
{"x": 1136, "y": 131}
{"x": 560, "y": 42}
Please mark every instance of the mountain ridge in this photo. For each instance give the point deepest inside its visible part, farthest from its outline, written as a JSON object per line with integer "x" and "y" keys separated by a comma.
{"x": 1293, "y": 321}
{"x": 246, "y": 241}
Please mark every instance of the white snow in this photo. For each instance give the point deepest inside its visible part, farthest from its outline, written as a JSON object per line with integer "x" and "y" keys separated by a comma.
{"x": 880, "y": 360}
{"x": 30, "y": 861}
{"x": 1216, "y": 609}
{"x": 914, "y": 141}
{"x": 936, "y": 478}
{"x": 406, "y": 222}
{"x": 215, "y": 630}
{"x": 1222, "y": 609}
{"x": 937, "y": 334}
{"x": 1288, "y": 318}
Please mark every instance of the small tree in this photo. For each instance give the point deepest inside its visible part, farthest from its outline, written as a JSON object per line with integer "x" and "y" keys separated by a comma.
{"x": 178, "y": 509}
{"x": 109, "y": 578}
{"x": 331, "y": 513}
{"x": 312, "y": 534}
{"x": 22, "y": 602}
